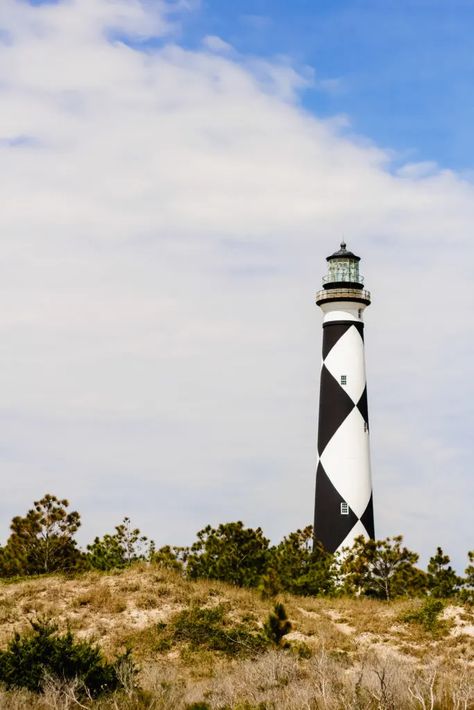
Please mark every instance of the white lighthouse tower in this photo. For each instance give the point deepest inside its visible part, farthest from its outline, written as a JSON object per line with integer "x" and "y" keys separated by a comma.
{"x": 343, "y": 506}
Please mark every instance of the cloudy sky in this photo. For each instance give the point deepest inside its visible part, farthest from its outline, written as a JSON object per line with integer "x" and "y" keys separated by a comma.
{"x": 173, "y": 175}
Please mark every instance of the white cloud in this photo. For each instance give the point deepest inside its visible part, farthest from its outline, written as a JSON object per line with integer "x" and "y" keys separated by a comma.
{"x": 423, "y": 169}
{"x": 216, "y": 44}
{"x": 86, "y": 20}
{"x": 165, "y": 217}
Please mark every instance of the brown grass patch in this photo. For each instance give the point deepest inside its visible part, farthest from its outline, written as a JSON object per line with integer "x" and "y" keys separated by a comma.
{"x": 351, "y": 653}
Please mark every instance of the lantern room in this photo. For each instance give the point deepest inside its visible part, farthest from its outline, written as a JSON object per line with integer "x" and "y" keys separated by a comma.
{"x": 343, "y": 270}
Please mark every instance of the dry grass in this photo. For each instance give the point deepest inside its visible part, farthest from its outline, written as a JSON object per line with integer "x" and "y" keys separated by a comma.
{"x": 278, "y": 680}
{"x": 345, "y": 653}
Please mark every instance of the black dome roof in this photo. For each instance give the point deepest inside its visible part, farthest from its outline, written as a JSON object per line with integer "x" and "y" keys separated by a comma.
{"x": 343, "y": 253}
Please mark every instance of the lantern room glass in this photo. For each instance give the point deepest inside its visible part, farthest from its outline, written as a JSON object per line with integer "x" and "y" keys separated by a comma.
{"x": 343, "y": 270}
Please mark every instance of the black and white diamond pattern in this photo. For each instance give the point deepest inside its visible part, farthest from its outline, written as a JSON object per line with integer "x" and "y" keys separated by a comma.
{"x": 343, "y": 484}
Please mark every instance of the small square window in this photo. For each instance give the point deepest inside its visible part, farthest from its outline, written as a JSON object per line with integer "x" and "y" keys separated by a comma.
{"x": 344, "y": 509}
{"x": 343, "y": 379}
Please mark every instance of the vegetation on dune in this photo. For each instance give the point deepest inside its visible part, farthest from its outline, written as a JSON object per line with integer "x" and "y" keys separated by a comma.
{"x": 230, "y": 553}
{"x": 277, "y": 626}
{"x": 212, "y": 628}
{"x": 229, "y": 623}
{"x": 443, "y": 582}
{"x": 380, "y": 569}
{"x": 428, "y": 615}
{"x": 120, "y": 549}
{"x": 467, "y": 584}
{"x": 383, "y": 569}
{"x": 296, "y": 566}
{"x": 42, "y": 653}
{"x": 207, "y": 643}
{"x": 43, "y": 541}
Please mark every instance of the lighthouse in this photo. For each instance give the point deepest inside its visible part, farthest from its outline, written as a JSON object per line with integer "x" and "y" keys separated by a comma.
{"x": 343, "y": 506}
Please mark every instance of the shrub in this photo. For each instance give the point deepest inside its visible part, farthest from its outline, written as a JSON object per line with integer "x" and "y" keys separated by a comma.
{"x": 300, "y": 567}
{"x": 210, "y": 628}
{"x": 427, "y": 615}
{"x": 32, "y": 657}
{"x": 170, "y": 557}
{"x": 230, "y": 553}
{"x": 119, "y": 550}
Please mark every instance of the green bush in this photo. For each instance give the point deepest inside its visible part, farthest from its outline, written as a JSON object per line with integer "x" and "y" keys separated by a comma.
{"x": 120, "y": 550}
{"x": 210, "y": 628}
{"x": 32, "y": 657}
{"x": 427, "y": 615}
{"x": 230, "y": 553}
{"x": 298, "y": 566}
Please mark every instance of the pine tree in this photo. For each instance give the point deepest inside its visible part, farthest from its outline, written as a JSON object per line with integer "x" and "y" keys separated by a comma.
{"x": 230, "y": 553}
{"x": 381, "y": 568}
{"x": 443, "y": 582}
{"x": 43, "y": 540}
{"x": 301, "y": 568}
{"x": 125, "y": 546}
{"x": 170, "y": 557}
{"x": 467, "y": 593}
{"x": 469, "y": 571}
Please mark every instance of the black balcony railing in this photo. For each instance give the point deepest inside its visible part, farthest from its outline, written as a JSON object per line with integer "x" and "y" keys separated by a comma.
{"x": 343, "y": 294}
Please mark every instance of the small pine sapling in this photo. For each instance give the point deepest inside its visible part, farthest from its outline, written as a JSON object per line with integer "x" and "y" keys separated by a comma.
{"x": 277, "y": 626}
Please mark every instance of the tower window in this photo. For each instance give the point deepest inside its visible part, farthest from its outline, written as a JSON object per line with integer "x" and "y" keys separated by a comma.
{"x": 343, "y": 379}
{"x": 366, "y": 426}
{"x": 344, "y": 509}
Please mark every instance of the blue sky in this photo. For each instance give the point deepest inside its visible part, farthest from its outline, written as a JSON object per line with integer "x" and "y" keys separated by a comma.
{"x": 401, "y": 70}
{"x": 173, "y": 177}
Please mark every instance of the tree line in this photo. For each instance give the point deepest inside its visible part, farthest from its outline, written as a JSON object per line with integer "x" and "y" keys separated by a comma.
{"x": 44, "y": 541}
